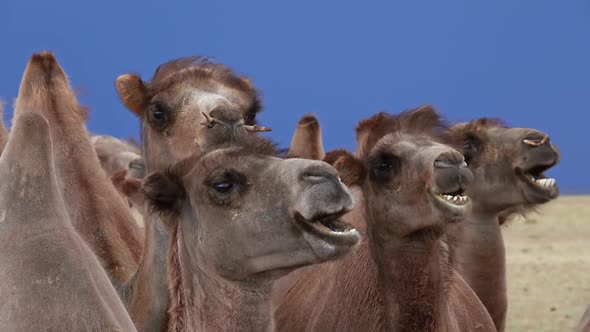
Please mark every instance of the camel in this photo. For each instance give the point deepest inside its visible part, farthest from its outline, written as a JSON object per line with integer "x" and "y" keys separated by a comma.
{"x": 584, "y": 325}
{"x": 175, "y": 110}
{"x": 307, "y": 139}
{"x": 50, "y": 280}
{"x": 93, "y": 204}
{"x": 3, "y": 130}
{"x": 116, "y": 155}
{"x": 508, "y": 166}
{"x": 411, "y": 188}
{"x": 231, "y": 193}
{"x": 123, "y": 163}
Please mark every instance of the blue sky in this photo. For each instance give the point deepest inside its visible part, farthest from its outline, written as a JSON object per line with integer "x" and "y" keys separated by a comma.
{"x": 525, "y": 61}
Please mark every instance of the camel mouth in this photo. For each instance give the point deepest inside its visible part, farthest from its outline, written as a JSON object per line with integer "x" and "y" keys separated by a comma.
{"x": 456, "y": 198}
{"x": 536, "y": 180}
{"x": 327, "y": 233}
{"x": 456, "y": 202}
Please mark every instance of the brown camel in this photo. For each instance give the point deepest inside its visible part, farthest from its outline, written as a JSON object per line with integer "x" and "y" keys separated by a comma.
{"x": 96, "y": 211}
{"x": 116, "y": 155}
{"x": 123, "y": 163}
{"x": 239, "y": 219}
{"x": 175, "y": 110}
{"x": 307, "y": 139}
{"x": 584, "y": 325}
{"x": 50, "y": 280}
{"x": 3, "y": 130}
{"x": 401, "y": 278}
{"x": 508, "y": 165}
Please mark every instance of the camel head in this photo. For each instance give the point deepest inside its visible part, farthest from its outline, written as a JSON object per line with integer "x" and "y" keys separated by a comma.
{"x": 177, "y": 105}
{"x": 243, "y": 213}
{"x": 412, "y": 183}
{"x": 116, "y": 155}
{"x": 508, "y": 164}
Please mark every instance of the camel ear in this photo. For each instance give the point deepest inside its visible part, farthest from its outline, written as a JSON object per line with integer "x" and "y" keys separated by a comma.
{"x": 133, "y": 93}
{"x": 351, "y": 169}
{"x": 307, "y": 139}
{"x": 164, "y": 193}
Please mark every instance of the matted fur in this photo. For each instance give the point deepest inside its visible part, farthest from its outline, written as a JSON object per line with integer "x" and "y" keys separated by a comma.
{"x": 423, "y": 120}
{"x": 177, "y": 309}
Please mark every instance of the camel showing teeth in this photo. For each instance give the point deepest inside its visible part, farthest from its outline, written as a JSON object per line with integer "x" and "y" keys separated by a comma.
{"x": 547, "y": 183}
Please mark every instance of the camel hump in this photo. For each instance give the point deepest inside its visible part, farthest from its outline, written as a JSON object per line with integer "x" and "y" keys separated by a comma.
{"x": 30, "y": 141}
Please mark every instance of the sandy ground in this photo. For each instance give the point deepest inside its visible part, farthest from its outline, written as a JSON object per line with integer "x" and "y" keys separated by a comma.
{"x": 548, "y": 257}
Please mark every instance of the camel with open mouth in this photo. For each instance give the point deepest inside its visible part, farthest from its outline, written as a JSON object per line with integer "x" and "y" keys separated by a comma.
{"x": 411, "y": 190}
{"x": 508, "y": 166}
{"x": 240, "y": 218}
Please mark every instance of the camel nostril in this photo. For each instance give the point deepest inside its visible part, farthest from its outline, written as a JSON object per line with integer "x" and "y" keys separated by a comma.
{"x": 449, "y": 163}
{"x": 318, "y": 174}
{"x": 536, "y": 139}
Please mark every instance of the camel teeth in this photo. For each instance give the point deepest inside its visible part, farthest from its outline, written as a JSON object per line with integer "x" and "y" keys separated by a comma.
{"x": 547, "y": 183}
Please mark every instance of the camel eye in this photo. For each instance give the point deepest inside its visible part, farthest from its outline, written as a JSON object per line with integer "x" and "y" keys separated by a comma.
{"x": 223, "y": 187}
{"x": 158, "y": 115}
{"x": 470, "y": 149}
{"x": 385, "y": 166}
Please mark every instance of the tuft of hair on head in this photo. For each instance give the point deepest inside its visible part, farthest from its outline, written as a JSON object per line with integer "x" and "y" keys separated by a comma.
{"x": 423, "y": 120}
{"x": 352, "y": 171}
{"x": 457, "y": 134}
{"x": 167, "y": 69}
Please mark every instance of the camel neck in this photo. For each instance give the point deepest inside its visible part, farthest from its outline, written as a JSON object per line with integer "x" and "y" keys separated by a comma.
{"x": 479, "y": 257}
{"x": 149, "y": 295}
{"x": 206, "y": 302}
{"x": 413, "y": 278}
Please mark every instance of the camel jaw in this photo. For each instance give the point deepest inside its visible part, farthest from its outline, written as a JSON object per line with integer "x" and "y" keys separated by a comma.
{"x": 538, "y": 186}
{"x": 458, "y": 204}
{"x": 328, "y": 235}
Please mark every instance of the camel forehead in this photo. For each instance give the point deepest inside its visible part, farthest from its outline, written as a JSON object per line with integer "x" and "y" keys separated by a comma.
{"x": 211, "y": 90}
{"x": 405, "y": 141}
{"x": 219, "y": 157}
{"x": 208, "y": 100}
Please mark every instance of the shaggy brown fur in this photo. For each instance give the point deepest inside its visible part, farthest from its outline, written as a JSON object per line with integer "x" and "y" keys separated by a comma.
{"x": 502, "y": 164}
{"x": 400, "y": 278}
